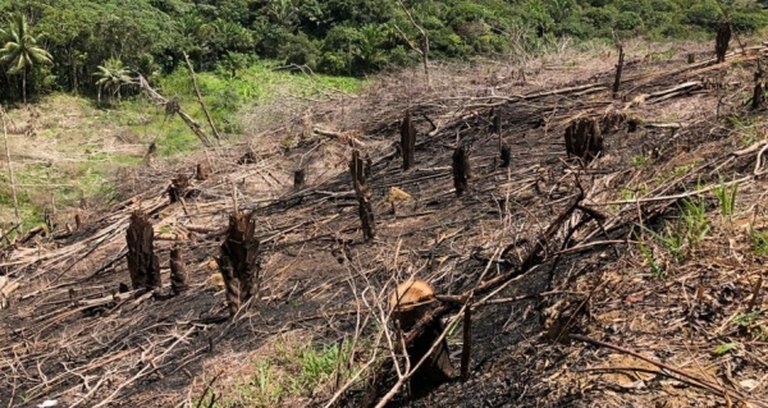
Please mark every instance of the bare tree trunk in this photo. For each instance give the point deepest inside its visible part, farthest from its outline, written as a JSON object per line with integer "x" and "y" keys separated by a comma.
{"x": 10, "y": 167}
{"x": 200, "y": 98}
{"x": 173, "y": 107}
{"x": 239, "y": 262}
{"x": 722, "y": 40}
{"x": 24, "y": 85}
{"x": 365, "y": 209}
{"x": 423, "y": 49}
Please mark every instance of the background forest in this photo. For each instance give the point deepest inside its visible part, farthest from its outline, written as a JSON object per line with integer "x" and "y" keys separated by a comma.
{"x": 87, "y": 46}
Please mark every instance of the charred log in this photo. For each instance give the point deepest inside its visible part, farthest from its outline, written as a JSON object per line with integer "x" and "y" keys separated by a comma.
{"x": 143, "y": 264}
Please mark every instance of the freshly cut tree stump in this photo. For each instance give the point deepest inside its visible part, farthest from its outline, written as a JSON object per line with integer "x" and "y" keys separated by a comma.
{"x": 408, "y": 141}
{"x": 413, "y": 300}
{"x": 722, "y": 40}
{"x": 583, "y": 138}
{"x": 461, "y": 170}
{"x": 239, "y": 263}
{"x": 357, "y": 169}
{"x": 178, "y": 272}
{"x": 143, "y": 264}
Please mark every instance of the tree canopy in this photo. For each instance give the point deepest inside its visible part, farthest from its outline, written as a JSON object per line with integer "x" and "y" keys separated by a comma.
{"x": 349, "y": 37}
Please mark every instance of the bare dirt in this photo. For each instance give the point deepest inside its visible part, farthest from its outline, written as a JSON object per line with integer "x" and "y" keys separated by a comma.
{"x": 578, "y": 317}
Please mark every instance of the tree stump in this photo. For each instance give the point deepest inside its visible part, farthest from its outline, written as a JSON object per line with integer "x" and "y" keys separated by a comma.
{"x": 239, "y": 262}
{"x": 143, "y": 264}
{"x": 202, "y": 172}
{"x": 758, "y": 93}
{"x": 299, "y": 178}
{"x": 411, "y": 301}
{"x": 722, "y": 40}
{"x": 408, "y": 141}
{"x": 584, "y": 139}
{"x": 178, "y": 189}
{"x": 506, "y": 155}
{"x": 461, "y": 170}
{"x": 365, "y": 208}
{"x": 178, "y": 272}
{"x": 619, "y": 69}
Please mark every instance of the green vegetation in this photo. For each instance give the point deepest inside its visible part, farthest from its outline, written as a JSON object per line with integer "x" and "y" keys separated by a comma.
{"x": 759, "y": 242}
{"x": 341, "y": 37}
{"x": 726, "y": 196}
{"x": 292, "y": 372}
{"x": 678, "y": 238}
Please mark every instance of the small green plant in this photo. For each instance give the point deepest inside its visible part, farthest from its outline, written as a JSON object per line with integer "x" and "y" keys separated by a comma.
{"x": 725, "y": 348}
{"x": 656, "y": 269}
{"x": 751, "y": 324}
{"x": 694, "y": 216}
{"x": 641, "y": 160}
{"x": 759, "y": 242}
{"x": 317, "y": 365}
{"x": 726, "y": 196}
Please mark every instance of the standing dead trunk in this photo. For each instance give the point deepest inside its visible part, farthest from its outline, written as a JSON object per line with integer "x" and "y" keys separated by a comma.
{"x": 506, "y": 155}
{"x": 365, "y": 208}
{"x": 461, "y": 170}
{"x": 178, "y": 272}
{"x": 299, "y": 177}
{"x": 143, "y": 264}
{"x": 239, "y": 262}
{"x": 619, "y": 69}
{"x": 722, "y": 40}
{"x": 407, "y": 141}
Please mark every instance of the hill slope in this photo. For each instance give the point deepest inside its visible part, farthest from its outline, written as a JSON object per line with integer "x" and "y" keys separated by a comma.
{"x": 562, "y": 294}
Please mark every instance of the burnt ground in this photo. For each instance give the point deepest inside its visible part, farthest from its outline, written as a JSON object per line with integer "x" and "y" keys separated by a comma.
{"x": 675, "y": 134}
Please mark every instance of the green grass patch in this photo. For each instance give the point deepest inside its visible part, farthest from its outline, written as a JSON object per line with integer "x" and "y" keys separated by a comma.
{"x": 759, "y": 242}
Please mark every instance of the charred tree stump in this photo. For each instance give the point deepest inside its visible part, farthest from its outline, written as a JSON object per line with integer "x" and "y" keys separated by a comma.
{"x": 239, "y": 262}
{"x": 584, "y": 139}
{"x": 408, "y": 141}
{"x": 506, "y": 155}
{"x": 691, "y": 57}
{"x": 365, "y": 208}
{"x": 412, "y": 301}
{"x": 619, "y": 69}
{"x": 758, "y": 94}
{"x": 496, "y": 121}
{"x": 299, "y": 178}
{"x": 461, "y": 170}
{"x": 143, "y": 264}
{"x": 201, "y": 172}
{"x": 178, "y": 272}
{"x": 178, "y": 189}
{"x": 722, "y": 40}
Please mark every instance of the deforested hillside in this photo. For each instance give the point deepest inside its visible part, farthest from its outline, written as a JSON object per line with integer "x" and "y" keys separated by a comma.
{"x": 592, "y": 239}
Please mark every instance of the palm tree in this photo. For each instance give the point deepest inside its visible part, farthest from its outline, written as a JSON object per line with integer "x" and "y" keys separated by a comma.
{"x": 21, "y": 51}
{"x": 111, "y": 77}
